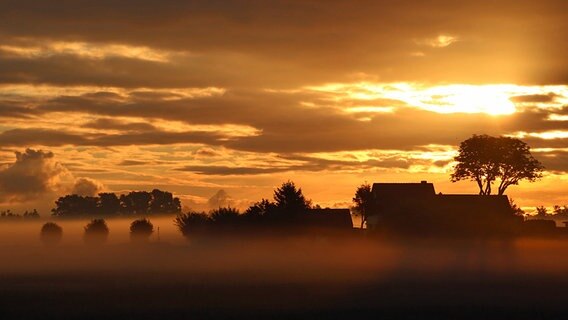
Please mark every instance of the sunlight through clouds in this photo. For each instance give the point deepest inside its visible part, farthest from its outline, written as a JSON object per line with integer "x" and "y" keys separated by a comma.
{"x": 492, "y": 99}
{"x": 87, "y": 50}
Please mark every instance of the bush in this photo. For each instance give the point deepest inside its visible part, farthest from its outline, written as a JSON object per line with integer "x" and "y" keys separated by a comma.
{"x": 225, "y": 216}
{"x": 96, "y": 231}
{"x": 51, "y": 233}
{"x": 191, "y": 223}
{"x": 141, "y": 229}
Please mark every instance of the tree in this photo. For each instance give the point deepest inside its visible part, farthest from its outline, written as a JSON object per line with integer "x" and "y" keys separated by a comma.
{"x": 96, "y": 232}
{"x": 73, "y": 205}
{"x": 225, "y": 216}
{"x": 485, "y": 159}
{"x": 164, "y": 202}
{"x": 51, "y": 233}
{"x": 541, "y": 212}
{"x": 191, "y": 222}
{"x": 518, "y": 211}
{"x": 290, "y": 201}
{"x": 259, "y": 211}
{"x": 109, "y": 204}
{"x": 363, "y": 202}
{"x": 136, "y": 202}
{"x": 31, "y": 214}
{"x": 561, "y": 212}
{"x": 141, "y": 229}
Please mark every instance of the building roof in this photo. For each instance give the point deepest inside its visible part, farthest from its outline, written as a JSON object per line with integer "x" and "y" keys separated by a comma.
{"x": 478, "y": 205}
{"x": 405, "y": 190}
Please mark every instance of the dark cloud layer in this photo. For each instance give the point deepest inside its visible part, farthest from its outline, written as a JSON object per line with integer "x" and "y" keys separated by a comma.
{"x": 284, "y": 124}
{"x": 317, "y": 40}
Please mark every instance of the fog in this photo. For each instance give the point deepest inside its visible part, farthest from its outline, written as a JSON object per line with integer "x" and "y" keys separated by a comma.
{"x": 220, "y": 275}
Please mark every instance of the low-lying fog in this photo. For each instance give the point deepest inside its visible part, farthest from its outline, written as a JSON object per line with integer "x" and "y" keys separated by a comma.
{"x": 348, "y": 256}
{"x": 341, "y": 277}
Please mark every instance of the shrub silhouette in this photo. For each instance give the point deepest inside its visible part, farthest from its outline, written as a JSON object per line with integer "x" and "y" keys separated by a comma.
{"x": 96, "y": 232}
{"x": 225, "y": 216}
{"x": 191, "y": 223}
{"x": 141, "y": 229}
{"x": 51, "y": 233}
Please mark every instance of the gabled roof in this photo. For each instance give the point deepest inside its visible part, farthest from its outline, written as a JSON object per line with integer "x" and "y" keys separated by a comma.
{"x": 404, "y": 190}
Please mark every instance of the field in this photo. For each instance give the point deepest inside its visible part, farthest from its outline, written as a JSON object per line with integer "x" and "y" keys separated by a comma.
{"x": 277, "y": 277}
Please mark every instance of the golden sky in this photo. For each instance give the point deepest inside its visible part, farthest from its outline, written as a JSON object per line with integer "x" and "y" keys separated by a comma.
{"x": 242, "y": 95}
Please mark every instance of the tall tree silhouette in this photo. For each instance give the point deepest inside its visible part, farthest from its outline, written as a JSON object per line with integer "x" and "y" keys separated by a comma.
{"x": 363, "y": 202}
{"x": 485, "y": 159}
{"x": 290, "y": 201}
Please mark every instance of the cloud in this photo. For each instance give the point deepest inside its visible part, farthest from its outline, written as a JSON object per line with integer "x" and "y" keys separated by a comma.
{"x": 34, "y": 173}
{"x": 113, "y": 124}
{"x": 288, "y": 42}
{"x": 87, "y": 187}
{"x": 48, "y": 137}
{"x": 207, "y": 152}
{"x": 533, "y": 98}
{"x": 133, "y": 163}
{"x": 306, "y": 163}
{"x": 220, "y": 199}
{"x": 554, "y": 160}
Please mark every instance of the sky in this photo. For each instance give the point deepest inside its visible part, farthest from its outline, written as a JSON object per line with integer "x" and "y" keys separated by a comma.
{"x": 220, "y": 102}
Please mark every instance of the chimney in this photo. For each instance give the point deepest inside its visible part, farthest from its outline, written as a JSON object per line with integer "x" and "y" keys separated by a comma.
{"x": 423, "y": 181}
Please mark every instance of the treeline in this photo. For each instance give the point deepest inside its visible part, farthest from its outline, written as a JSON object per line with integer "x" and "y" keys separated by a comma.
{"x": 289, "y": 207}
{"x": 8, "y": 214}
{"x": 558, "y": 212}
{"x": 109, "y": 204}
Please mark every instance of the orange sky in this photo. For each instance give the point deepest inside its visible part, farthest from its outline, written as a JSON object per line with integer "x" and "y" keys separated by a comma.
{"x": 242, "y": 95}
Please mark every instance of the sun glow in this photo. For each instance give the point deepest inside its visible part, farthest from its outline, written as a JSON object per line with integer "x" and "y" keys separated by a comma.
{"x": 488, "y": 99}
{"x": 491, "y": 99}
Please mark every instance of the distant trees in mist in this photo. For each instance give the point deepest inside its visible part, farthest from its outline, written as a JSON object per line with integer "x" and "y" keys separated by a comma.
{"x": 8, "y": 214}
{"x": 109, "y": 204}
{"x": 51, "y": 233}
{"x": 141, "y": 230}
{"x": 96, "y": 232}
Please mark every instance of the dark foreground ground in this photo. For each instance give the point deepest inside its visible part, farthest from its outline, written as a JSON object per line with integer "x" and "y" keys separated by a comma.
{"x": 288, "y": 278}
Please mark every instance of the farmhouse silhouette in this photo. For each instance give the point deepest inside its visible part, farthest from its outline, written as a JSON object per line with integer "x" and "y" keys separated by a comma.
{"x": 416, "y": 208}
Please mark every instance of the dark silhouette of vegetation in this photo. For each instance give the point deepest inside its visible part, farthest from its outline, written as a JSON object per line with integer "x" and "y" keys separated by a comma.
{"x": 141, "y": 229}
{"x": 225, "y": 216}
{"x": 541, "y": 212}
{"x": 109, "y": 204}
{"x": 290, "y": 201}
{"x": 191, "y": 223}
{"x": 9, "y": 215}
{"x": 363, "y": 202}
{"x": 96, "y": 232}
{"x": 518, "y": 211}
{"x": 485, "y": 159}
{"x": 51, "y": 233}
{"x": 559, "y": 213}
{"x": 288, "y": 209}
